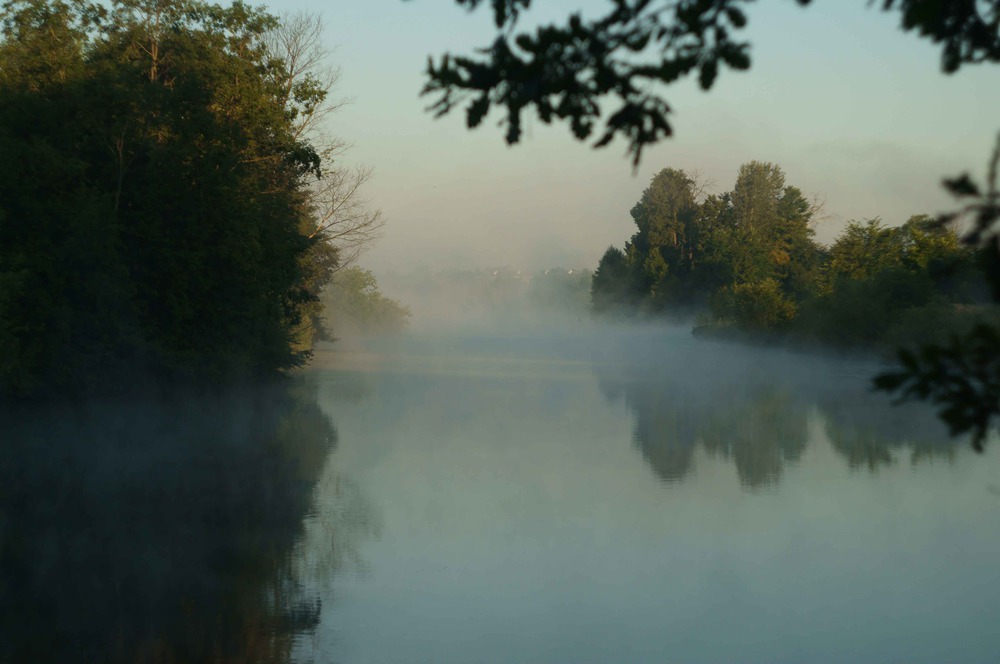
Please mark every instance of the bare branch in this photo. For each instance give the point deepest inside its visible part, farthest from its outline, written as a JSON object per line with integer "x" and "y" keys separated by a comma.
{"x": 702, "y": 184}
{"x": 817, "y": 210}
{"x": 341, "y": 215}
{"x": 305, "y": 76}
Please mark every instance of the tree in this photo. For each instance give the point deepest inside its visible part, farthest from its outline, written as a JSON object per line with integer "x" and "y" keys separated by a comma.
{"x": 357, "y": 305}
{"x": 566, "y": 71}
{"x": 611, "y": 288}
{"x": 687, "y": 246}
{"x": 862, "y": 251}
{"x": 338, "y": 214}
{"x": 107, "y": 114}
{"x": 760, "y": 230}
{"x": 755, "y": 197}
{"x": 665, "y": 217}
{"x": 755, "y": 306}
{"x": 664, "y": 213}
{"x": 755, "y": 247}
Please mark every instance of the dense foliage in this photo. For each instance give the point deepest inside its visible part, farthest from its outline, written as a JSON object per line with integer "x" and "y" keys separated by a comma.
{"x": 154, "y": 207}
{"x": 745, "y": 261}
{"x": 690, "y": 248}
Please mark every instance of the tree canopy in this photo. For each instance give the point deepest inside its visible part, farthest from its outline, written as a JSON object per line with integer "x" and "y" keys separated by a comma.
{"x": 688, "y": 246}
{"x": 750, "y": 265}
{"x": 158, "y": 207}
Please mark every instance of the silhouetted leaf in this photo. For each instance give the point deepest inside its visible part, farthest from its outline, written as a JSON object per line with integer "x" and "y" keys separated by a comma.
{"x": 478, "y": 110}
{"x": 736, "y": 16}
{"x": 736, "y": 57}
{"x": 707, "y": 75}
{"x": 961, "y": 186}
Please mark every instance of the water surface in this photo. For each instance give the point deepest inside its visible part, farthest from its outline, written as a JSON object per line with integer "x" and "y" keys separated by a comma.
{"x": 570, "y": 495}
{"x": 642, "y": 496}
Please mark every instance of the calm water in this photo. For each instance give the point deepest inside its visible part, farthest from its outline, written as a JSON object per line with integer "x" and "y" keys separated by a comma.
{"x": 581, "y": 496}
{"x": 648, "y": 498}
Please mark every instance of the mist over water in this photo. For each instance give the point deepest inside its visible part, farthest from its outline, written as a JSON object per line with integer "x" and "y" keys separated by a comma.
{"x": 602, "y": 493}
{"x": 505, "y": 488}
{"x": 160, "y": 530}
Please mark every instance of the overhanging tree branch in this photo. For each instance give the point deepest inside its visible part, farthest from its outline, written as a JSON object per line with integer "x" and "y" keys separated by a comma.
{"x": 603, "y": 76}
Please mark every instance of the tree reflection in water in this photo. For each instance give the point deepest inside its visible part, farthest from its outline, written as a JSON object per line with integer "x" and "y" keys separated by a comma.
{"x": 758, "y": 416}
{"x": 866, "y": 431}
{"x": 758, "y": 430}
{"x": 160, "y": 532}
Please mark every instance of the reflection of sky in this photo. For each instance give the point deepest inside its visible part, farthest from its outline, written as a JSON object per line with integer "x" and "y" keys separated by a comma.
{"x": 849, "y": 105}
{"x": 519, "y": 523}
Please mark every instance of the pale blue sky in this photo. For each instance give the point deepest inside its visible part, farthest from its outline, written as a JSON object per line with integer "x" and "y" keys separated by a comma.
{"x": 851, "y": 107}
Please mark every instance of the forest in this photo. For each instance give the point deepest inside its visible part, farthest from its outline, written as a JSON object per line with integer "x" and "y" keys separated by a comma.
{"x": 168, "y": 204}
{"x": 745, "y": 264}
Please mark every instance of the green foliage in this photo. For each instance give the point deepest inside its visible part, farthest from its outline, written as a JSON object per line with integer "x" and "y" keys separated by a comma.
{"x": 859, "y": 313}
{"x": 153, "y": 195}
{"x": 665, "y": 214}
{"x": 317, "y": 267}
{"x": 925, "y": 242}
{"x": 880, "y": 285}
{"x": 355, "y": 305}
{"x": 747, "y": 257}
{"x": 685, "y": 250}
{"x": 612, "y": 286}
{"x": 936, "y": 323}
{"x": 863, "y": 251}
{"x": 757, "y": 306}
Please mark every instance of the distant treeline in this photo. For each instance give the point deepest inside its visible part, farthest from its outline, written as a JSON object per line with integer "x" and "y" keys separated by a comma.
{"x": 155, "y": 209}
{"x": 745, "y": 262}
{"x": 495, "y": 295}
{"x": 355, "y": 306}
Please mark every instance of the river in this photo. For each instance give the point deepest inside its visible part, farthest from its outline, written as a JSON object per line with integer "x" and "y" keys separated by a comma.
{"x": 567, "y": 495}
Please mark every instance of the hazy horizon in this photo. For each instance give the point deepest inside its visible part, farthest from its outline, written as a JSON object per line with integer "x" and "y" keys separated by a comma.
{"x": 852, "y": 109}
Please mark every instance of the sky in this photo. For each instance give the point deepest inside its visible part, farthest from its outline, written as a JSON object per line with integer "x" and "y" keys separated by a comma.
{"x": 854, "y": 110}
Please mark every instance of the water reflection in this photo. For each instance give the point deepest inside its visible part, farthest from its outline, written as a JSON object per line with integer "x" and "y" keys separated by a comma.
{"x": 520, "y": 520}
{"x": 159, "y": 532}
{"x": 757, "y": 414}
{"x": 870, "y": 434}
{"x": 759, "y": 431}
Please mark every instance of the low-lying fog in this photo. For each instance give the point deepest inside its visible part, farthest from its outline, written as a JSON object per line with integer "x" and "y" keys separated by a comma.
{"x": 553, "y": 489}
{"x": 506, "y": 481}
